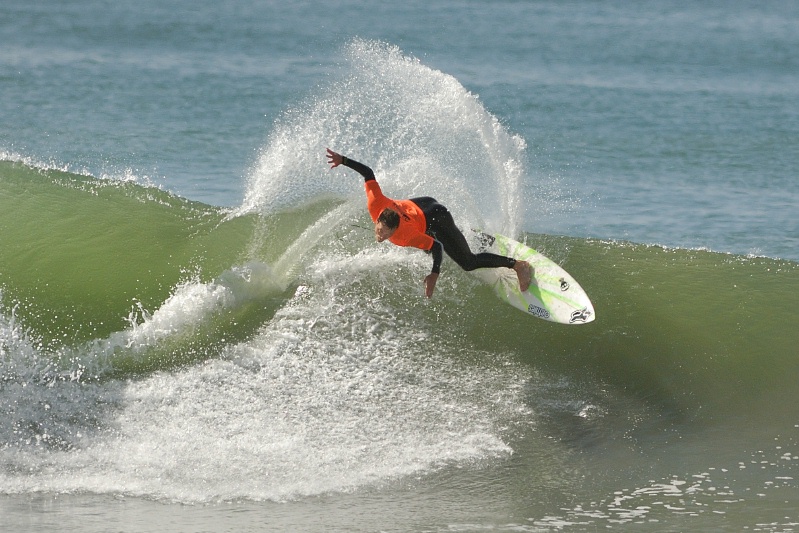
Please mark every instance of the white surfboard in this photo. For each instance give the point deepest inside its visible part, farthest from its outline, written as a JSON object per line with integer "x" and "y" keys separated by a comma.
{"x": 553, "y": 294}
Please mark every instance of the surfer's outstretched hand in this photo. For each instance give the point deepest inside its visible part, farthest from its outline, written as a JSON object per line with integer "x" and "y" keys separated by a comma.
{"x": 333, "y": 158}
{"x": 430, "y": 284}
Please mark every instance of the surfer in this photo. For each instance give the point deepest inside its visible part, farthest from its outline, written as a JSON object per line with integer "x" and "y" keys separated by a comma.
{"x": 425, "y": 224}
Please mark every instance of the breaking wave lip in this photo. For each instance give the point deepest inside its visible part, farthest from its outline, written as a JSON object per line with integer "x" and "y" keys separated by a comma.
{"x": 178, "y": 320}
{"x": 120, "y": 175}
{"x": 182, "y": 318}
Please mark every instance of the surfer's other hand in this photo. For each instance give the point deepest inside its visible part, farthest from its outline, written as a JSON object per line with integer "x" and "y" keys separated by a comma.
{"x": 430, "y": 284}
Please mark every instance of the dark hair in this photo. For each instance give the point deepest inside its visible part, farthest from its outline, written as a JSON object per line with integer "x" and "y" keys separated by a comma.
{"x": 389, "y": 218}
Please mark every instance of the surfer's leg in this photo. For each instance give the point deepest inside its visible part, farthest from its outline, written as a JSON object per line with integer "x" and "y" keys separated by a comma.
{"x": 441, "y": 226}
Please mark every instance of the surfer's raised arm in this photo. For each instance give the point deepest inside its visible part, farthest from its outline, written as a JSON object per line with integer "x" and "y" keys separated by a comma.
{"x": 336, "y": 159}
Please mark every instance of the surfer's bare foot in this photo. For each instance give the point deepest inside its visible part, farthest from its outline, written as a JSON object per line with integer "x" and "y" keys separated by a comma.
{"x": 525, "y": 274}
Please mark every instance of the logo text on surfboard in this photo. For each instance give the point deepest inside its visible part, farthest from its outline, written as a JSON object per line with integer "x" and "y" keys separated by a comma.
{"x": 540, "y": 312}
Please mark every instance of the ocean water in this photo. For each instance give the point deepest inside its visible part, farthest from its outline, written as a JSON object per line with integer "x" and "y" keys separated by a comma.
{"x": 198, "y": 333}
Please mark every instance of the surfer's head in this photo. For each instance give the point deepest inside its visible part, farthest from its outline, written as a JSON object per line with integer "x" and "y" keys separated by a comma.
{"x": 386, "y": 224}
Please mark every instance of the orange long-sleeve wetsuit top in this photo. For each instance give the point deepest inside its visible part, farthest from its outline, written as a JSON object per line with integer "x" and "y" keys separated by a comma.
{"x": 413, "y": 223}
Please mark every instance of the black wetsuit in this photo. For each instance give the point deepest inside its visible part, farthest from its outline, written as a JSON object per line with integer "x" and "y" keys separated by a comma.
{"x": 441, "y": 226}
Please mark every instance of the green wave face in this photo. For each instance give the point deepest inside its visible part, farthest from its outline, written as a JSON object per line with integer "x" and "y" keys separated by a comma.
{"x": 83, "y": 259}
{"x": 78, "y": 253}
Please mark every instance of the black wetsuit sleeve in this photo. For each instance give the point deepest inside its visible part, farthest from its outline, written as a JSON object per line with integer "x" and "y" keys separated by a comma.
{"x": 438, "y": 254}
{"x": 360, "y": 168}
